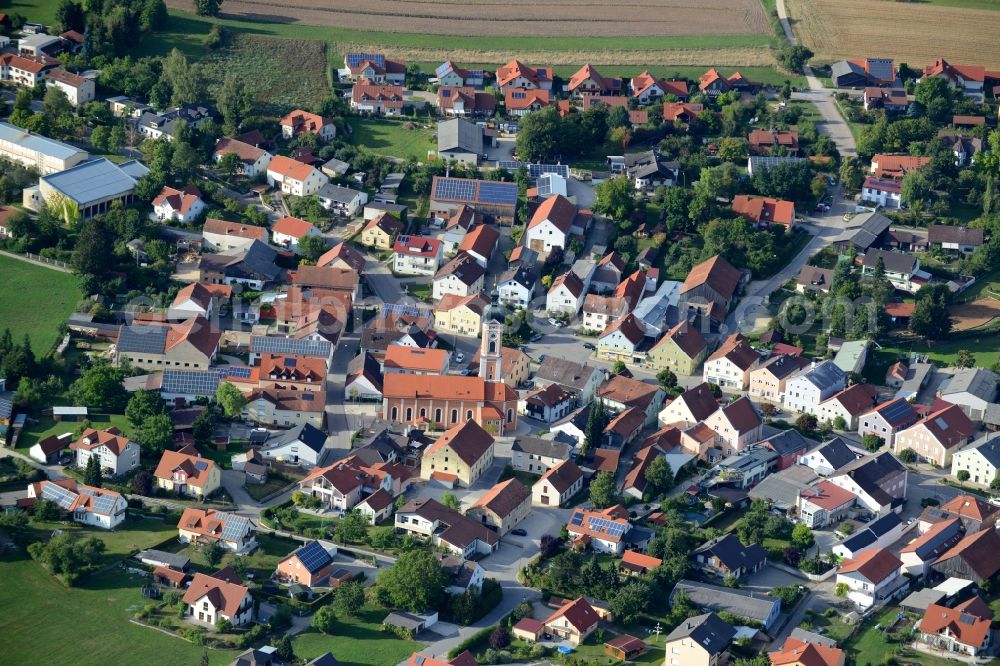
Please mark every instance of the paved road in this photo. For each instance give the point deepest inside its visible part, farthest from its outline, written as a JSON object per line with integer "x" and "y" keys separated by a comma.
{"x": 833, "y": 124}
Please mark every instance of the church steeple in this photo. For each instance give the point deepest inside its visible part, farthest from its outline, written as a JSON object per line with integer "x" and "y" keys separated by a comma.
{"x": 491, "y": 352}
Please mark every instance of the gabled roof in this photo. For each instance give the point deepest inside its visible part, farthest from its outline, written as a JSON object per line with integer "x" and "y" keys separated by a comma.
{"x": 687, "y": 338}
{"x": 110, "y": 438}
{"x": 800, "y": 653}
{"x": 970, "y": 506}
{"x": 732, "y": 553}
{"x": 224, "y": 228}
{"x": 874, "y": 565}
{"x": 737, "y": 350}
{"x": 785, "y": 442}
{"x": 464, "y": 268}
{"x": 558, "y": 210}
{"x": 188, "y": 460}
{"x": 503, "y": 498}
{"x": 709, "y": 631}
{"x": 469, "y": 441}
{"x": 588, "y": 71}
{"x": 313, "y": 556}
{"x": 386, "y": 222}
{"x": 629, "y": 327}
{"x": 578, "y": 613}
{"x": 292, "y": 226}
{"x": 967, "y": 628}
{"x": 978, "y": 551}
{"x": 627, "y": 391}
{"x": 571, "y": 281}
{"x": 827, "y": 495}
{"x": 764, "y": 210}
{"x": 717, "y": 273}
{"x": 179, "y": 200}
{"x": 289, "y": 168}
{"x": 458, "y": 531}
{"x": 226, "y": 597}
{"x": 823, "y": 376}
{"x": 741, "y": 414}
{"x": 856, "y": 399}
{"x": 343, "y": 252}
{"x": 700, "y": 401}
{"x": 936, "y": 540}
{"x": 562, "y": 476}
{"x": 519, "y": 99}
{"x": 948, "y": 426}
{"x": 516, "y": 68}
{"x": 481, "y": 239}
{"x": 399, "y": 357}
{"x": 897, "y": 413}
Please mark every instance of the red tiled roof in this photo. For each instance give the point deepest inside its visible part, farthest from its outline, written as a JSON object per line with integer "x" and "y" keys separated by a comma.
{"x": 179, "y": 200}
{"x": 343, "y": 252}
{"x": 29, "y": 65}
{"x": 292, "y": 226}
{"x": 386, "y": 95}
{"x": 827, "y": 495}
{"x": 92, "y": 439}
{"x": 970, "y": 506}
{"x": 967, "y": 72}
{"x": 578, "y": 613}
{"x": 289, "y": 168}
{"x": 558, "y": 210}
{"x": 516, "y": 68}
{"x": 481, "y": 239}
{"x": 647, "y": 562}
{"x": 717, "y": 273}
{"x": 519, "y": 99}
{"x": 627, "y": 326}
{"x": 246, "y": 152}
{"x": 802, "y": 653}
{"x": 857, "y": 399}
{"x": 468, "y": 440}
{"x": 964, "y": 627}
{"x": 765, "y": 210}
{"x": 223, "y": 228}
{"x": 225, "y": 596}
{"x": 198, "y": 469}
{"x": 896, "y": 166}
{"x": 675, "y": 110}
{"x": 304, "y": 122}
{"x": 417, "y": 246}
{"x": 875, "y": 565}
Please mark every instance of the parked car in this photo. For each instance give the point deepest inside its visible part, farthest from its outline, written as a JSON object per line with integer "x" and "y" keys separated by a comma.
{"x": 459, "y": 357}
{"x": 589, "y": 345}
{"x": 517, "y": 531}
{"x": 555, "y": 322}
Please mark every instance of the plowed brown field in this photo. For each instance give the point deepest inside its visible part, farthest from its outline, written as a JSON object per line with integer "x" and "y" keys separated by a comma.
{"x": 911, "y": 32}
{"x": 555, "y": 18}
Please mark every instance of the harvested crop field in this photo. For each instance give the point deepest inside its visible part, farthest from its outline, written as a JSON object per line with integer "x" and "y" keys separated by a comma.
{"x": 280, "y": 74}
{"x": 914, "y": 33}
{"x": 976, "y": 314}
{"x": 515, "y": 17}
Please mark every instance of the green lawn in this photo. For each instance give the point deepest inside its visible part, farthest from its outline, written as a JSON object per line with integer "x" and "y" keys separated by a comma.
{"x": 834, "y": 627}
{"x": 357, "y": 641}
{"x": 136, "y": 533}
{"x": 83, "y": 625}
{"x": 259, "y": 491}
{"x": 393, "y": 138}
{"x": 986, "y": 349}
{"x": 35, "y": 301}
{"x": 46, "y": 427}
{"x": 263, "y": 560}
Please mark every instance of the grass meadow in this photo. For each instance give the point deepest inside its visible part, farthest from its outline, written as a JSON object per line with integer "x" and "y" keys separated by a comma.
{"x": 35, "y": 301}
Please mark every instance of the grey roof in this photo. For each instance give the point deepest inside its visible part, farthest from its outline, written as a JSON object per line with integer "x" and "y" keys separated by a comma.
{"x": 522, "y": 275}
{"x": 96, "y": 179}
{"x": 36, "y": 143}
{"x": 192, "y": 382}
{"x": 837, "y": 453}
{"x": 172, "y": 560}
{"x": 6, "y": 408}
{"x": 403, "y": 620}
{"x": 785, "y": 442}
{"x": 921, "y": 599}
{"x": 344, "y": 195}
{"x": 873, "y": 533}
{"x": 306, "y": 433}
{"x": 989, "y": 447}
{"x": 811, "y": 637}
{"x": 564, "y": 372}
{"x": 864, "y": 230}
{"x": 782, "y": 488}
{"x": 977, "y": 381}
{"x": 895, "y": 262}
{"x": 541, "y": 447}
{"x": 732, "y": 553}
{"x": 749, "y": 460}
{"x": 756, "y": 162}
{"x": 824, "y": 376}
{"x": 325, "y": 659}
{"x": 844, "y": 67}
{"x": 870, "y": 471}
{"x": 708, "y": 630}
{"x": 254, "y": 657}
{"x": 916, "y": 377}
{"x": 460, "y": 135}
{"x": 750, "y": 605}
{"x": 338, "y": 166}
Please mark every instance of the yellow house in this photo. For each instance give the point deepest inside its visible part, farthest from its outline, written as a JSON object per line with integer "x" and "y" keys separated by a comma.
{"x": 459, "y": 456}
{"x": 699, "y": 641}
{"x": 380, "y": 232}
{"x": 681, "y": 349}
{"x": 503, "y": 506}
{"x": 187, "y": 473}
{"x": 462, "y": 315}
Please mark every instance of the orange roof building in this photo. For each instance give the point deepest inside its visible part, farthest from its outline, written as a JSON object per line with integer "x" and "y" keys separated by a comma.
{"x": 800, "y": 653}
{"x": 187, "y": 473}
{"x": 765, "y": 211}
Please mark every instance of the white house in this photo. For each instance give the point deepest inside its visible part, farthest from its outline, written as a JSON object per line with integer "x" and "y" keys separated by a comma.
{"x": 416, "y": 255}
{"x": 878, "y": 481}
{"x": 879, "y": 533}
{"x": 981, "y": 459}
{"x": 848, "y": 404}
{"x": 566, "y": 295}
{"x": 885, "y": 193}
{"x": 462, "y": 276}
{"x": 79, "y": 89}
{"x": 211, "y": 599}
{"x": 340, "y": 200}
{"x": 730, "y": 365}
{"x": 622, "y": 340}
{"x": 96, "y": 507}
{"x": 873, "y": 576}
{"x": 888, "y": 419}
{"x": 806, "y": 390}
{"x": 294, "y": 177}
{"x": 302, "y": 445}
{"x": 517, "y": 287}
{"x": 551, "y": 225}
{"x": 557, "y": 485}
{"x": 254, "y": 161}
{"x": 288, "y": 231}
{"x": 192, "y": 301}
{"x": 118, "y": 454}
{"x": 180, "y": 205}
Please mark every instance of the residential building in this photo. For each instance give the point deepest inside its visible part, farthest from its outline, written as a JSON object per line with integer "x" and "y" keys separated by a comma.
{"x": 231, "y": 237}
{"x": 603, "y": 531}
{"x": 884, "y": 193}
{"x": 573, "y": 622}
{"x": 462, "y": 276}
{"x": 879, "y": 533}
{"x": 503, "y": 506}
{"x": 710, "y": 285}
{"x": 376, "y": 507}
{"x": 536, "y": 455}
{"x": 374, "y": 67}
{"x": 480, "y": 242}
{"x": 730, "y": 365}
{"x": 890, "y": 100}
{"x": 745, "y": 470}
{"x": 254, "y": 267}
{"x": 293, "y": 177}
{"x": 380, "y": 232}
{"x": 519, "y": 102}
{"x": 902, "y": 270}
{"x": 180, "y": 205}
{"x": 551, "y": 224}
{"x": 811, "y": 386}
{"x": 343, "y": 255}
{"x": 964, "y": 629}
{"x": 377, "y": 99}
{"x": 765, "y": 211}
{"x": 812, "y": 278}
{"x": 646, "y": 88}
{"x": 253, "y": 160}
{"x": 210, "y": 599}
{"x": 796, "y": 652}
{"x": 918, "y": 555}
{"x": 878, "y": 481}
{"x": 588, "y": 81}
{"x": 164, "y": 125}
{"x": 751, "y": 605}
{"x": 972, "y": 389}
{"x": 566, "y": 295}
{"x": 416, "y": 255}
{"x": 47, "y": 451}
{"x": 460, "y": 456}
{"x": 460, "y": 140}
{"x": 557, "y": 485}
{"x": 95, "y": 507}
{"x": 415, "y": 361}
{"x": 872, "y": 577}
{"x": 937, "y": 436}
{"x": 465, "y": 102}
{"x": 310, "y": 564}
{"x": 981, "y": 459}
{"x": 579, "y": 378}
{"x": 185, "y": 472}
{"x": 343, "y": 485}
{"x": 516, "y": 74}
{"x": 450, "y": 74}
{"x": 620, "y": 393}
{"x": 302, "y": 445}
{"x": 726, "y": 556}
{"x": 191, "y": 344}
{"x": 364, "y": 378}
{"x": 824, "y": 504}
{"x": 973, "y": 558}
{"x": 25, "y": 72}
{"x": 117, "y": 454}
{"x": 462, "y": 576}
{"x": 849, "y": 405}
{"x": 958, "y": 239}
{"x": 682, "y": 349}
{"x": 767, "y": 382}
{"x": 648, "y": 170}
{"x": 516, "y": 286}
{"x": 298, "y": 123}
{"x": 712, "y": 83}
{"x": 73, "y": 194}
{"x": 968, "y": 79}
{"x": 682, "y": 112}
{"x": 288, "y": 231}
{"x": 79, "y": 89}
{"x": 230, "y": 531}
{"x": 547, "y": 404}
{"x": 831, "y": 457}
{"x": 975, "y": 513}
{"x": 768, "y": 142}
{"x": 449, "y": 529}
{"x": 737, "y": 425}
{"x": 699, "y": 641}
{"x": 691, "y": 407}
{"x": 622, "y": 340}
{"x": 788, "y": 444}
{"x": 637, "y": 564}
{"x": 888, "y": 419}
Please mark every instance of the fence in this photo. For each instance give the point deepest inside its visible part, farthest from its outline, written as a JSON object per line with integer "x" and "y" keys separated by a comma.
{"x": 40, "y": 260}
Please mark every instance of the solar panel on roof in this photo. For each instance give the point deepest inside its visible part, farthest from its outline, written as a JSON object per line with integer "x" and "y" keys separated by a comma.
{"x": 235, "y": 371}
{"x": 261, "y": 344}
{"x": 412, "y": 310}
{"x": 201, "y": 466}
{"x": 307, "y": 397}
{"x": 456, "y": 189}
{"x": 290, "y": 362}
{"x": 193, "y": 382}
{"x": 497, "y": 193}
{"x": 64, "y": 498}
{"x": 355, "y": 59}
{"x": 313, "y": 556}
{"x": 577, "y": 519}
{"x": 143, "y": 339}
{"x": 234, "y": 526}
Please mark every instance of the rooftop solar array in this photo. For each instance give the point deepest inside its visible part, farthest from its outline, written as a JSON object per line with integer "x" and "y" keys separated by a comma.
{"x": 535, "y": 170}
{"x": 191, "y": 382}
{"x": 609, "y": 527}
{"x": 496, "y": 192}
{"x": 104, "y": 504}
{"x": 455, "y": 188}
{"x": 313, "y": 556}
{"x": 474, "y": 191}
{"x": 355, "y": 59}
{"x": 237, "y": 371}
{"x": 143, "y": 339}
{"x": 262, "y": 344}
{"x": 235, "y": 526}
{"x": 64, "y": 498}
{"x": 897, "y": 411}
{"x": 577, "y": 519}
{"x": 400, "y": 309}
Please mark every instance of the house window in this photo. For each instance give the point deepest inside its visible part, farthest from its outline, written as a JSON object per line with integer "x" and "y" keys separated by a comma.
{"x": 409, "y": 413}
{"x": 395, "y": 414}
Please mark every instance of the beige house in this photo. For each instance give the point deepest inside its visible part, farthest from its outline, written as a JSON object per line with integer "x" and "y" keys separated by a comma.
{"x": 573, "y": 622}
{"x": 187, "y": 473}
{"x": 286, "y": 407}
{"x": 515, "y": 366}
{"x": 767, "y": 383}
{"x": 558, "y": 485}
{"x": 699, "y": 641}
{"x": 459, "y": 456}
{"x": 462, "y": 315}
{"x": 211, "y": 599}
{"x": 503, "y": 506}
{"x": 117, "y": 454}
{"x": 681, "y": 349}
{"x": 737, "y": 425}
{"x": 189, "y": 345}
{"x": 380, "y": 232}
{"x": 937, "y": 436}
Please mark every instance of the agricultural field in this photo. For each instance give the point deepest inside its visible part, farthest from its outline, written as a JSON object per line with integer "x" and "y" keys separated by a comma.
{"x": 515, "y": 17}
{"x": 36, "y": 300}
{"x": 279, "y": 74}
{"x": 837, "y": 29}
{"x": 978, "y": 313}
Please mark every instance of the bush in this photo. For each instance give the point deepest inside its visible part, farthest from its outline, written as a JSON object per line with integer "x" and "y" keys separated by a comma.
{"x": 500, "y": 638}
